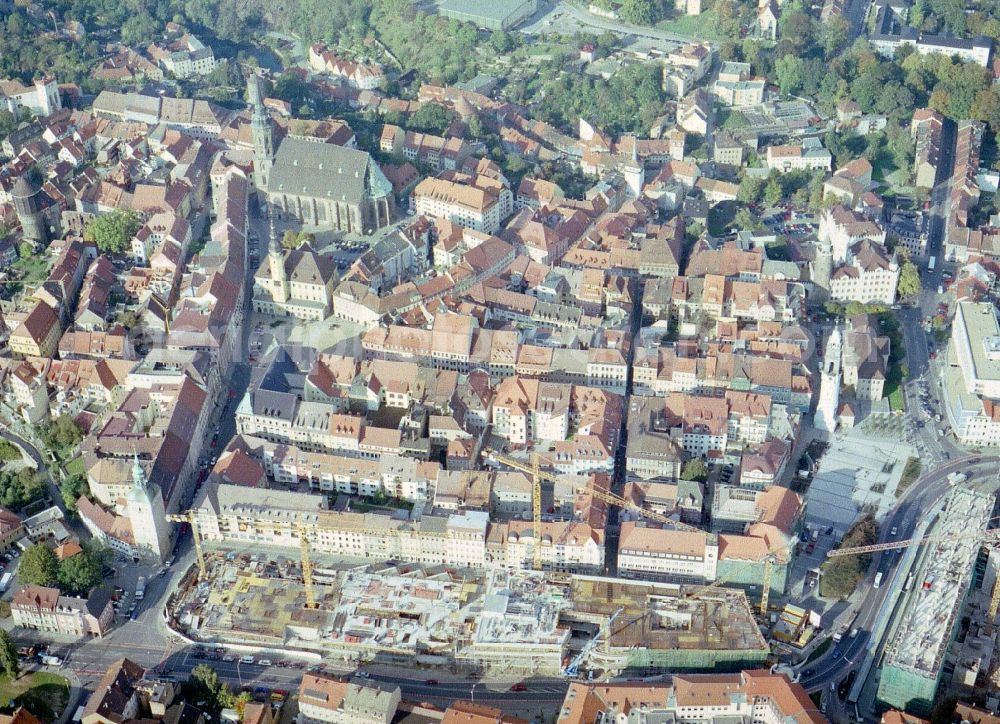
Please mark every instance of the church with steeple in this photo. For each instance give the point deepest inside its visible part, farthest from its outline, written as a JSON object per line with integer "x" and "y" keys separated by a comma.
{"x": 317, "y": 185}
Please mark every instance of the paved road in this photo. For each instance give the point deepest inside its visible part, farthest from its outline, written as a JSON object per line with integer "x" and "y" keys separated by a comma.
{"x": 918, "y": 500}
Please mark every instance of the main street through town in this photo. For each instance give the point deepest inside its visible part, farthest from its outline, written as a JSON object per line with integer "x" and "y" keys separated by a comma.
{"x": 939, "y": 455}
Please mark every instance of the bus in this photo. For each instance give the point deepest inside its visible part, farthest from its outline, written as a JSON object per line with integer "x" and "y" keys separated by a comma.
{"x": 140, "y": 588}
{"x": 930, "y": 263}
{"x": 878, "y": 580}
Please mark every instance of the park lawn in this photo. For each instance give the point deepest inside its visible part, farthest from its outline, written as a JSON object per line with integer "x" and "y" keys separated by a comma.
{"x": 75, "y": 467}
{"x": 701, "y": 27}
{"x": 44, "y": 694}
{"x": 33, "y": 269}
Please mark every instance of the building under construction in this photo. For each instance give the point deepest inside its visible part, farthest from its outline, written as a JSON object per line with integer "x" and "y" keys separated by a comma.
{"x": 521, "y": 622}
{"x": 660, "y": 629}
{"x": 915, "y": 656}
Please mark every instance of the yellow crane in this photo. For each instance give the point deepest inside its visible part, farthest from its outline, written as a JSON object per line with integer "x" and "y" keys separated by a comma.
{"x": 765, "y": 592}
{"x": 191, "y": 518}
{"x": 538, "y": 475}
{"x": 301, "y": 530}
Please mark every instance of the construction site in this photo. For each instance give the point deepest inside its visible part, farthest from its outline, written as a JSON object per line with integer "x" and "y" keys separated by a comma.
{"x": 932, "y": 602}
{"x": 517, "y": 622}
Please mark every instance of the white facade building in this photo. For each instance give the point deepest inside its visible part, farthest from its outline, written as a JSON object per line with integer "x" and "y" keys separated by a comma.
{"x": 667, "y": 555}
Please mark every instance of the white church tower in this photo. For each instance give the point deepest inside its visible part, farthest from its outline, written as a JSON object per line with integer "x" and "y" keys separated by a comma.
{"x": 144, "y": 509}
{"x": 825, "y": 419}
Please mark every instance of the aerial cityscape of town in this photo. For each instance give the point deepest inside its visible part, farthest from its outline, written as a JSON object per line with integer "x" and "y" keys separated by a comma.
{"x": 499, "y": 361}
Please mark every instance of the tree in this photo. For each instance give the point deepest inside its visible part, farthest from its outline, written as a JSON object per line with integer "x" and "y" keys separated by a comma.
{"x": 431, "y": 118}
{"x": 9, "y": 451}
{"x": 909, "y": 280}
{"x": 21, "y": 488}
{"x": 292, "y": 240}
{"x": 71, "y": 488}
{"x": 840, "y": 576}
{"x": 113, "y": 232}
{"x": 744, "y": 220}
{"x": 204, "y": 685}
{"x": 9, "y": 663}
{"x": 773, "y": 192}
{"x": 80, "y": 573}
{"x": 695, "y": 469}
{"x": 39, "y": 566}
{"x": 638, "y": 12}
{"x": 61, "y": 435}
{"x": 788, "y": 69}
{"x": 26, "y": 249}
{"x": 751, "y": 189}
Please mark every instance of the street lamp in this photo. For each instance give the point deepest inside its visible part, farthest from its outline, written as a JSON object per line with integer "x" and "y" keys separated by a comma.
{"x": 472, "y": 692}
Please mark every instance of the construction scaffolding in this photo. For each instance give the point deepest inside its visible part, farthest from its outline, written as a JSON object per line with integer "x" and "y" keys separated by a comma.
{"x": 915, "y": 655}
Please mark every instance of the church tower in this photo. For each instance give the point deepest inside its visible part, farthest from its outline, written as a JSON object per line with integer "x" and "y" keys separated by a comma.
{"x": 262, "y": 133}
{"x": 144, "y": 508}
{"x": 276, "y": 264}
{"x": 825, "y": 419}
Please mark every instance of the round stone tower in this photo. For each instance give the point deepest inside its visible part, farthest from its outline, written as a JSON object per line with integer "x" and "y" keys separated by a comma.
{"x": 27, "y": 204}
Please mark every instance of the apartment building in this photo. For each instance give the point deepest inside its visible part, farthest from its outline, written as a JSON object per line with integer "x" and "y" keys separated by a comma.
{"x": 41, "y": 98}
{"x": 667, "y": 555}
{"x": 757, "y": 696}
{"x": 925, "y": 130}
{"x": 324, "y": 699}
{"x": 184, "y": 56}
{"x": 457, "y": 539}
{"x": 466, "y": 201}
{"x": 360, "y": 75}
{"x": 393, "y": 475}
{"x": 526, "y": 409}
{"x": 807, "y": 156}
{"x": 434, "y": 151}
{"x": 569, "y": 546}
{"x": 45, "y": 609}
{"x": 865, "y": 359}
{"x": 975, "y": 343}
{"x": 662, "y": 371}
{"x": 116, "y": 695}
{"x": 38, "y": 333}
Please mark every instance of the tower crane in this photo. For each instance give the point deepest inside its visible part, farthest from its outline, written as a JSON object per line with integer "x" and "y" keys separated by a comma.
{"x": 191, "y": 518}
{"x": 538, "y": 475}
{"x": 608, "y": 497}
{"x": 986, "y": 537}
{"x": 765, "y": 593}
{"x": 300, "y": 529}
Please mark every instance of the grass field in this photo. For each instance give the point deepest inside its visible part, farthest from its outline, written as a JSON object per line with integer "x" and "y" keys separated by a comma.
{"x": 702, "y": 27}
{"x": 75, "y": 467}
{"x": 33, "y": 269}
{"x": 44, "y": 694}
